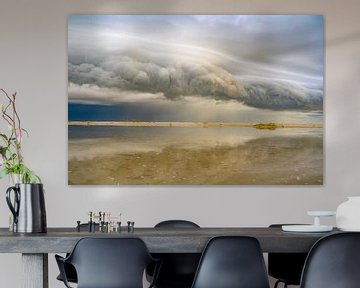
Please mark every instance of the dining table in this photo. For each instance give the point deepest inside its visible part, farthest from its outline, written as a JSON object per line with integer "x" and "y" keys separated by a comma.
{"x": 35, "y": 247}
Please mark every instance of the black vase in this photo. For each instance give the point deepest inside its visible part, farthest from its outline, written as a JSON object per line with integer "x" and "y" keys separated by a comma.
{"x": 28, "y": 208}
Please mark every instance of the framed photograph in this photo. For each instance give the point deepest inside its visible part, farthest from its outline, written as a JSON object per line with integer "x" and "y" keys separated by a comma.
{"x": 195, "y": 99}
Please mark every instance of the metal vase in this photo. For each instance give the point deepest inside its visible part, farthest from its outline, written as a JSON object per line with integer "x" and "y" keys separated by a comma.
{"x": 27, "y": 204}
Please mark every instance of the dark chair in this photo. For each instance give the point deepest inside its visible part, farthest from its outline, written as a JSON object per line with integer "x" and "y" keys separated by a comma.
{"x": 333, "y": 262}
{"x": 232, "y": 262}
{"x": 286, "y": 267}
{"x": 178, "y": 269}
{"x": 108, "y": 263}
{"x": 69, "y": 269}
{"x": 70, "y": 273}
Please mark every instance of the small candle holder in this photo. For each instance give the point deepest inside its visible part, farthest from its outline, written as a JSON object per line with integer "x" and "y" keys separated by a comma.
{"x": 316, "y": 227}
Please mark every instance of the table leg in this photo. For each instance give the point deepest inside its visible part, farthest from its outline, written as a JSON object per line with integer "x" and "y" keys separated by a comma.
{"x": 35, "y": 270}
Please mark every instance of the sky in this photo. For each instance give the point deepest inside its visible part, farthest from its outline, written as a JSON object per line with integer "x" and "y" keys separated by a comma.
{"x": 262, "y": 61}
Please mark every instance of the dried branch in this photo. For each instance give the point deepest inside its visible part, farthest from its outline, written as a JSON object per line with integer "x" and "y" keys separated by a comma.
{"x": 10, "y": 152}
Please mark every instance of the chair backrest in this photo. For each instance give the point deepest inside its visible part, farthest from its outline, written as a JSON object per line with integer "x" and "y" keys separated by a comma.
{"x": 176, "y": 224}
{"x": 178, "y": 269}
{"x": 110, "y": 262}
{"x": 333, "y": 262}
{"x": 286, "y": 266}
{"x": 232, "y": 262}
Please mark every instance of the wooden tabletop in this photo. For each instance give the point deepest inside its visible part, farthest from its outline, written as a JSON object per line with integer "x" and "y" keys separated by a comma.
{"x": 158, "y": 240}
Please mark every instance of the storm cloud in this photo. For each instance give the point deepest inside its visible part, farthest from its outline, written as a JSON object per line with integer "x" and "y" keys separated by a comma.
{"x": 241, "y": 58}
{"x": 281, "y": 95}
{"x": 173, "y": 81}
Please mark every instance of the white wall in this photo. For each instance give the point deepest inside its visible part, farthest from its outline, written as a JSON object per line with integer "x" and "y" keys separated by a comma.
{"x": 33, "y": 62}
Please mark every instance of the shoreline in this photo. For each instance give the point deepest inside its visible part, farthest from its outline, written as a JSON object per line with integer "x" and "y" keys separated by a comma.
{"x": 256, "y": 125}
{"x": 265, "y": 161}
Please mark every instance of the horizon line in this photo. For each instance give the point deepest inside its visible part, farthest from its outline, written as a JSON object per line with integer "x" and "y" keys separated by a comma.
{"x": 196, "y": 124}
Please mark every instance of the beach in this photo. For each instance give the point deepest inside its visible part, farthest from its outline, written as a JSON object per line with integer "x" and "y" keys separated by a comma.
{"x": 277, "y": 160}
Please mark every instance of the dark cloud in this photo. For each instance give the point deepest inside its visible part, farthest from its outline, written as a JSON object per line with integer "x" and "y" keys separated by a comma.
{"x": 281, "y": 95}
{"x": 272, "y": 62}
{"x": 185, "y": 79}
{"x": 194, "y": 79}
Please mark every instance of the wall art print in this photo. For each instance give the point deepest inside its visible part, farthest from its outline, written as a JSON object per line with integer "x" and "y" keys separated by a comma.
{"x": 195, "y": 99}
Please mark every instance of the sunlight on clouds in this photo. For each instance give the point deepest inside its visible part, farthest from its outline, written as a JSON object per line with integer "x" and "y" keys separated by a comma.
{"x": 94, "y": 94}
{"x": 207, "y": 55}
{"x": 228, "y": 19}
{"x": 111, "y": 40}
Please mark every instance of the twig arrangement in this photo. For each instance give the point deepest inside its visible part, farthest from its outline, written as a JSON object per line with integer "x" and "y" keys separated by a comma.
{"x": 11, "y": 159}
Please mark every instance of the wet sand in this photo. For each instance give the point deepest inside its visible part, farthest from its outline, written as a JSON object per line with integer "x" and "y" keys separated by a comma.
{"x": 264, "y": 161}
